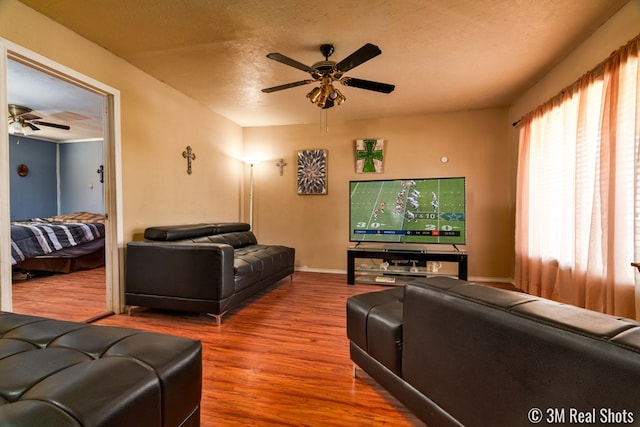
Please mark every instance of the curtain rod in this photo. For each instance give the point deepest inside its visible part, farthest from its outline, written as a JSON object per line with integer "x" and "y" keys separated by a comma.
{"x": 595, "y": 71}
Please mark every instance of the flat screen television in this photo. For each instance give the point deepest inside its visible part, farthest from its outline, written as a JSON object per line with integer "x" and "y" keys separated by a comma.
{"x": 424, "y": 210}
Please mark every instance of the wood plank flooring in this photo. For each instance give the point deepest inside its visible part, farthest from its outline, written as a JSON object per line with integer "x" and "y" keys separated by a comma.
{"x": 281, "y": 359}
{"x": 75, "y": 297}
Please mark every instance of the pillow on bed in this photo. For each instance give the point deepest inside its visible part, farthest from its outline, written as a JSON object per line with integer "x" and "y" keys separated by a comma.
{"x": 78, "y": 217}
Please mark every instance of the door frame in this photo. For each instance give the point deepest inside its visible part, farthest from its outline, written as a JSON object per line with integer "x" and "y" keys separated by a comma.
{"x": 114, "y": 241}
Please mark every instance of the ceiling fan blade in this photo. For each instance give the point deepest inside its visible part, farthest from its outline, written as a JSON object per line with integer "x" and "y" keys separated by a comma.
{"x": 32, "y": 126}
{"x": 290, "y": 62}
{"x": 24, "y": 113}
{"x": 51, "y": 125}
{"x": 367, "y": 84}
{"x": 361, "y": 55}
{"x": 287, "y": 86}
{"x": 29, "y": 116}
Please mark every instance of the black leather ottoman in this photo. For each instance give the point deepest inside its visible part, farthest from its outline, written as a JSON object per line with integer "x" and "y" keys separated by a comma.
{"x": 374, "y": 323}
{"x": 59, "y": 374}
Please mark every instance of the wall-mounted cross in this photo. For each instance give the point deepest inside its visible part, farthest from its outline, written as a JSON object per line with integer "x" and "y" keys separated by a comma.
{"x": 100, "y": 172}
{"x": 281, "y": 164}
{"x": 189, "y": 155}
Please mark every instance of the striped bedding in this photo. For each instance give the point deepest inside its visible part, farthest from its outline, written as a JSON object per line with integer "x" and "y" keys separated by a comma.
{"x": 42, "y": 236}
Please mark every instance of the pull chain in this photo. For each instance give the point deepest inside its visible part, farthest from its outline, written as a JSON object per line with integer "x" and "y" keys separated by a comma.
{"x": 326, "y": 121}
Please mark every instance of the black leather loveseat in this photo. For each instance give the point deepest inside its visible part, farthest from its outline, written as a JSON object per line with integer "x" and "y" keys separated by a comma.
{"x": 204, "y": 268}
{"x": 457, "y": 353}
{"x": 66, "y": 374}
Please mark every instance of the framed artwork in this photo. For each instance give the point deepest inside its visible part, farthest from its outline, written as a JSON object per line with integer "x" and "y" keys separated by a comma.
{"x": 369, "y": 155}
{"x": 312, "y": 172}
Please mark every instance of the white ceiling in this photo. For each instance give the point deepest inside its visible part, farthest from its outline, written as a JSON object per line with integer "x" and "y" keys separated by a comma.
{"x": 442, "y": 55}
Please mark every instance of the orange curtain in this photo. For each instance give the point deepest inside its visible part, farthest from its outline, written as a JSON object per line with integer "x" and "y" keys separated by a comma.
{"x": 578, "y": 191}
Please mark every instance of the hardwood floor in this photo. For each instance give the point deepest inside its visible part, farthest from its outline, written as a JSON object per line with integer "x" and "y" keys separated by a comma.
{"x": 281, "y": 359}
{"x": 75, "y": 297}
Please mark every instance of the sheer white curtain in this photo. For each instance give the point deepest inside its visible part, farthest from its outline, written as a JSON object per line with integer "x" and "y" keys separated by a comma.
{"x": 578, "y": 200}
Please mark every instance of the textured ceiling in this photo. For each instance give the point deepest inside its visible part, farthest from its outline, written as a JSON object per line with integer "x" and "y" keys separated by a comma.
{"x": 442, "y": 55}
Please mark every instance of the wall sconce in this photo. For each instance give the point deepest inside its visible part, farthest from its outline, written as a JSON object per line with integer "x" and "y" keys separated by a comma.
{"x": 281, "y": 164}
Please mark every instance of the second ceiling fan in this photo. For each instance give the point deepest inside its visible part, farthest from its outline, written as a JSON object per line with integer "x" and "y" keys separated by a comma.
{"x": 23, "y": 121}
{"x": 327, "y": 72}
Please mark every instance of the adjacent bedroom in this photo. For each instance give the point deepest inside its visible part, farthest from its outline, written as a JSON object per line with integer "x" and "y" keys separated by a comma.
{"x": 57, "y": 194}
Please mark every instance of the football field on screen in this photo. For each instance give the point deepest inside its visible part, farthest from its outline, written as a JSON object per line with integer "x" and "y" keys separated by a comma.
{"x": 390, "y": 205}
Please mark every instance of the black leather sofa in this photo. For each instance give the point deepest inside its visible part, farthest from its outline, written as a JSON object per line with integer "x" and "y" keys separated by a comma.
{"x": 65, "y": 374}
{"x": 204, "y": 268}
{"x": 457, "y": 353}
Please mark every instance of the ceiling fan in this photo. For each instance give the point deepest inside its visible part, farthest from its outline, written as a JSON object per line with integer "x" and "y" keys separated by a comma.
{"x": 22, "y": 121}
{"x": 326, "y": 72}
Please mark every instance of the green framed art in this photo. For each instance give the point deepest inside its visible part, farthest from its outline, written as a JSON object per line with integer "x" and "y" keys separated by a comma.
{"x": 369, "y": 155}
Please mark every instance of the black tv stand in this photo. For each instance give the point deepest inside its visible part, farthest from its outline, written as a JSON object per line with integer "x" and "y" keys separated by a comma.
{"x": 389, "y": 276}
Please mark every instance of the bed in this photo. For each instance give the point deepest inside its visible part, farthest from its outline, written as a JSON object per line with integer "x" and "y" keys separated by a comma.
{"x": 59, "y": 244}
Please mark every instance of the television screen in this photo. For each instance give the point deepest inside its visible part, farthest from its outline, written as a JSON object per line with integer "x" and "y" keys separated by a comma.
{"x": 427, "y": 210}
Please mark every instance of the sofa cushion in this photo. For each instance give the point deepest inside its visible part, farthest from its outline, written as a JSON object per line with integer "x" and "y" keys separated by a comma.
{"x": 575, "y": 319}
{"x": 136, "y": 401}
{"x": 236, "y": 239}
{"x": 178, "y": 232}
{"x": 35, "y": 413}
{"x": 191, "y": 231}
{"x": 256, "y": 263}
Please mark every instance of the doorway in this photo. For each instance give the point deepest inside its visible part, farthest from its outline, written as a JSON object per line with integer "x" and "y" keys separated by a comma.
{"x": 94, "y": 123}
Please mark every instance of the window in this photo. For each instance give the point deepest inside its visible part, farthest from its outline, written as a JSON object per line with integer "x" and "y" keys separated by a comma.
{"x": 578, "y": 204}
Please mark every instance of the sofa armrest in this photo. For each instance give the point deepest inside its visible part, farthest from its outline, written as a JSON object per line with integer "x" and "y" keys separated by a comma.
{"x": 180, "y": 270}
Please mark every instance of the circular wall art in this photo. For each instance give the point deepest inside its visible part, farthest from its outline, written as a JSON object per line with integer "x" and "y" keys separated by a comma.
{"x": 23, "y": 170}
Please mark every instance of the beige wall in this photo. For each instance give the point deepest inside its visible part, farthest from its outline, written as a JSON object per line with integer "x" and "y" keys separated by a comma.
{"x": 156, "y": 187}
{"x": 476, "y": 143}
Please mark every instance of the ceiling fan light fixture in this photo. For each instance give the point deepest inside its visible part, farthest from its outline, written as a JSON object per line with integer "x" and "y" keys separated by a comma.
{"x": 15, "y": 128}
{"x": 322, "y": 99}
{"x": 336, "y": 96}
{"x": 314, "y": 94}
